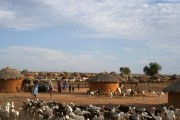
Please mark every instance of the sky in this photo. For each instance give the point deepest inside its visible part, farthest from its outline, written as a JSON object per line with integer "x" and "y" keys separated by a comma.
{"x": 90, "y": 35}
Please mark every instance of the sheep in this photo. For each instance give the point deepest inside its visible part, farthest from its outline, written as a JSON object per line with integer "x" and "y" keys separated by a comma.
{"x": 158, "y": 117}
{"x": 123, "y": 108}
{"x": 119, "y": 116}
{"x": 160, "y": 94}
{"x": 7, "y": 110}
{"x": 94, "y": 92}
{"x": 14, "y": 114}
{"x": 60, "y": 111}
{"x": 111, "y": 94}
{"x": 101, "y": 115}
{"x": 94, "y": 107}
{"x": 69, "y": 109}
{"x": 177, "y": 113}
{"x": 168, "y": 114}
{"x": 76, "y": 117}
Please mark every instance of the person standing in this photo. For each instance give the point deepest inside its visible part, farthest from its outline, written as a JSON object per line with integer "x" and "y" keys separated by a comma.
{"x": 64, "y": 85}
{"x": 51, "y": 88}
{"x": 59, "y": 86}
{"x": 73, "y": 88}
{"x": 70, "y": 88}
{"x": 35, "y": 90}
{"x": 78, "y": 86}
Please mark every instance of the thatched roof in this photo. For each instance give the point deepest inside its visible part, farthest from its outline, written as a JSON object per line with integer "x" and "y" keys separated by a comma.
{"x": 174, "y": 87}
{"x": 124, "y": 75}
{"x": 27, "y": 73}
{"x": 175, "y": 76}
{"x": 9, "y": 73}
{"x": 116, "y": 75}
{"x": 103, "y": 77}
{"x": 155, "y": 76}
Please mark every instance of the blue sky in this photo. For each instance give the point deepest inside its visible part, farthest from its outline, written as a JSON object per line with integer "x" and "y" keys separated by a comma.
{"x": 90, "y": 35}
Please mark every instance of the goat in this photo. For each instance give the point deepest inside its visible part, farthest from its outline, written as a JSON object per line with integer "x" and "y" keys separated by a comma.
{"x": 168, "y": 114}
{"x": 160, "y": 94}
{"x": 76, "y": 117}
{"x": 93, "y": 92}
{"x": 177, "y": 113}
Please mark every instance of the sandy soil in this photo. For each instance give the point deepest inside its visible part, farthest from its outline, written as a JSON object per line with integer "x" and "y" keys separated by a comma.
{"x": 80, "y": 98}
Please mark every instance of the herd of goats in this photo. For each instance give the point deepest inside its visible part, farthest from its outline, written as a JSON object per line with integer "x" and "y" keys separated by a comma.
{"x": 128, "y": 92}
{"x": 42, "y": 110}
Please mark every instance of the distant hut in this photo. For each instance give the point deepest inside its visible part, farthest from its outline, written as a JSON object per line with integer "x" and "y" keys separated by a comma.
{"x": 173, "y": 93}
{"x": 155, "y": 77}
{"x": 10, "y": 80}
{"x": 104, "y": 82}
{"x": 175, "y": 77}
{"x": 28, "y": 75}
{"x": 124, "y": 76}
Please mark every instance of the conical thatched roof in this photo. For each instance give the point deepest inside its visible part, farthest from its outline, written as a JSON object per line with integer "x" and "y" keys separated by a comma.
{"x": 116, "y": 75}
{"x": 155, "y": 76}
{"x": 174, "y": 87}
{"x": 175, "y": 76}
{"x": 10, "y": 74}
{"x": 103, "y": 77}
{"x": 124, "y": 75}
{"x": 26, "y": 73}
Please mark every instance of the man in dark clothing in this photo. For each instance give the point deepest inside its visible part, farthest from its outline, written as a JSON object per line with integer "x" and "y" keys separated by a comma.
{"x": 78, "y": 86}
{"x": 59, "y": 86}
{"x": 70, "y": 88}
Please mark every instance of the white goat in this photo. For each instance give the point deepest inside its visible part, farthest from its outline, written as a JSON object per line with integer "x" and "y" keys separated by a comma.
{"x": 94, "y": 107}
{"x": 168, "y": 114}
{"x": 101, "y": 115}
{"x": 119, "y": 116}
{"x": 177, "y": 113}
{"x": 76, "y": 117}
{"x": 161, "y": 94}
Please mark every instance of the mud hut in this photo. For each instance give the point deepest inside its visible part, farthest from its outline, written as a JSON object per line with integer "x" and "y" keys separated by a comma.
{"x": 175, "y": 77}
{"x": 27, "y": 75}
{"x": 10, "y": 80}
{"x": 104, "y": 82}
{"x": 173, "y": 93}
{"x": 155, "y": 78}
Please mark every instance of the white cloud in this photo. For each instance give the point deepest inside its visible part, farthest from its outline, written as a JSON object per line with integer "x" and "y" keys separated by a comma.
{"x": 52, "y": 60}
{"x": 122, "y": 19}
{"x": 155, "y": 22}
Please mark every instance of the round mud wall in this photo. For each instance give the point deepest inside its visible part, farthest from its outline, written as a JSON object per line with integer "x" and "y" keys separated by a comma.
{"x": 105, "y": 88}
{"x": 173, "y": 99}
{"x": 10, "y": 86}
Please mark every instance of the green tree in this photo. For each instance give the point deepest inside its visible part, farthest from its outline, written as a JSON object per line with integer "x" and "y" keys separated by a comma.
{"x": 125, "y": 70}
{"x": 152, "y": 69}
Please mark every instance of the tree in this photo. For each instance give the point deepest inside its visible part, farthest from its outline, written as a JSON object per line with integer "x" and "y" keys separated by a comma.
{"x": 125, "y": 70}
{"x": 152, "y": 69}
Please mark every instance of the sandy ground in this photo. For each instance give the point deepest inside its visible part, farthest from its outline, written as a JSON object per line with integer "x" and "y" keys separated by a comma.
{"x": 80, "y": 98}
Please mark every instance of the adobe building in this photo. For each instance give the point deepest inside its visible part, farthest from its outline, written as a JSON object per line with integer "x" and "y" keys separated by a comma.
{"x": 10, "y": 80}
{"x": 173, "y": 93}
{"x": 104, "y": 82}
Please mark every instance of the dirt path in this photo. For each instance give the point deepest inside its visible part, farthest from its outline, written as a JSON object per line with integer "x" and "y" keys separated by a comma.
{"x": 80, "y": 97}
